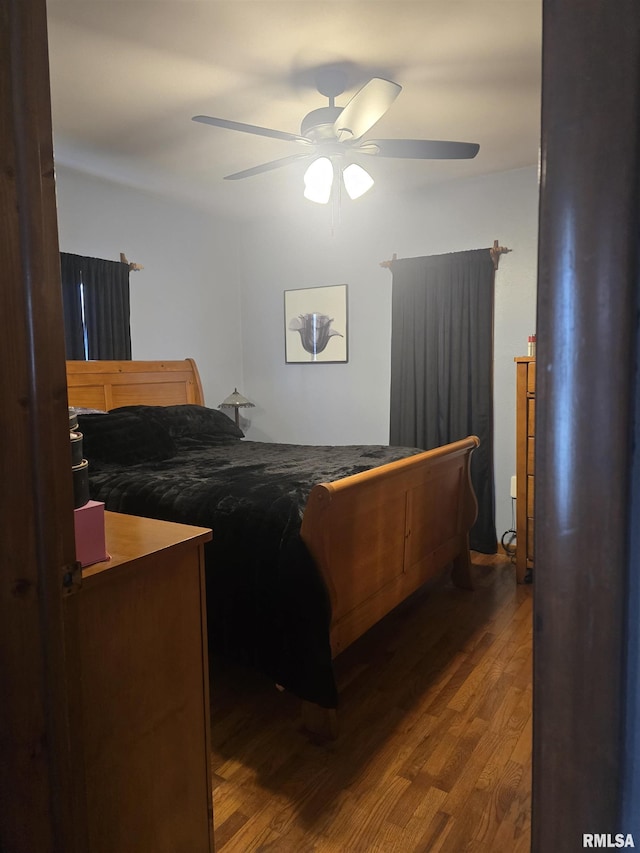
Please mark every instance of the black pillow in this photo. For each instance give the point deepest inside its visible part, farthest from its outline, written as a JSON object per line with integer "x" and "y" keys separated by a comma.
{"x": 124, "y": 438}
{"x": 188, "y": 420}
{"x": 191, "y": 420}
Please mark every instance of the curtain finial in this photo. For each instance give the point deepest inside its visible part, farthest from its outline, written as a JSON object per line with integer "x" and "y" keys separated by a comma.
{"x": 496, "y": 251}
{"x": 133, "y": 267}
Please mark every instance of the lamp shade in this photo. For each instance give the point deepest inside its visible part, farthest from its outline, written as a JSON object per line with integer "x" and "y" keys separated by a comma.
{"x": 235, "y": 401}
{"x": 318, "y": 180}
{"x": 357, "y": 181}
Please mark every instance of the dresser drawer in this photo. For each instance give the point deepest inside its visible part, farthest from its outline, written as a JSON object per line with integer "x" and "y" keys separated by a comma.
{"x": 531, "y": 416}
{"x": 525, "y": 463}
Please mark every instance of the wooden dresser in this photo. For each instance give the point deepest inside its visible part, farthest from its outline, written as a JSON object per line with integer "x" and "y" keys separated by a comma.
{"x": 525, "y": 446}
{"x": 145, "y": 690}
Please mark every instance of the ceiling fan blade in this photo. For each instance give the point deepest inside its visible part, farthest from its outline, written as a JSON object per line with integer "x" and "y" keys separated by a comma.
{"x": 251, "y": 128}
{"x": 420, "y": 149}
{"x": 368, "y": 105}
{"x": 266, "y": 167}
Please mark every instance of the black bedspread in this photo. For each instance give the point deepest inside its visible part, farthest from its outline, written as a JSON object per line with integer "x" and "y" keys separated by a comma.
{"x": 267, "y": 604}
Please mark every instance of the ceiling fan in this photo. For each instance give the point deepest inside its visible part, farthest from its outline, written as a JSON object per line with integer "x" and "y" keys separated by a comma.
{"x": 330, "y": 135}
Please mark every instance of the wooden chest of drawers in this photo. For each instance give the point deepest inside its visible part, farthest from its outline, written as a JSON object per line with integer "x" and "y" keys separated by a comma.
{"x": 525, "y": 452}
{"x": 145, "y": 690}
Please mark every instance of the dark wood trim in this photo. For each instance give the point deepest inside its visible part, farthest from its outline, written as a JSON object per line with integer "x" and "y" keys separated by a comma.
{"x": 631, "y": 779}
{"x": 587, "y": 298}
{"x": 41, "y": 794}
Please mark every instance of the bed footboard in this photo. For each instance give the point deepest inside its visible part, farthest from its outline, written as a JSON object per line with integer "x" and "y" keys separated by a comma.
{"x": 380, "y": 535}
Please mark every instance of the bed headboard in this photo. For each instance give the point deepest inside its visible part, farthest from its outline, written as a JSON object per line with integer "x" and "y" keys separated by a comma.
{"x": 109, "y": 384}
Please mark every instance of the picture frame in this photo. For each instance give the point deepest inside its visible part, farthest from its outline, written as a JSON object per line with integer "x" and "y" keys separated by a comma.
{"x": 316, "y": 325}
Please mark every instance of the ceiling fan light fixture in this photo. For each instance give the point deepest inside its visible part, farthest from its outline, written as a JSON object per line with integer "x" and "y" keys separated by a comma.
{"x": 318, "y": 180}
{"x": 334, "y": 132}
{"x": 357, "y": 181}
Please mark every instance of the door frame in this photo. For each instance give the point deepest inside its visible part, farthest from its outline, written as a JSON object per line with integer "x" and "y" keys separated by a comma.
{"x": 41, "y": 762}
{"x": 586, "y": 475}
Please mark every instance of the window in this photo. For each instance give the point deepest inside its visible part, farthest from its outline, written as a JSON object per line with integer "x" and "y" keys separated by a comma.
{"x": 95, "y": 295}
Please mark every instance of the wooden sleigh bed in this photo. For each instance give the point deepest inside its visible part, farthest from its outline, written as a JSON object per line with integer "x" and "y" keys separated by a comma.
{"x": 375, "y": 536}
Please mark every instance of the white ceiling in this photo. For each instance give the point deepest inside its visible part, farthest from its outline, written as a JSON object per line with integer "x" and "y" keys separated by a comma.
{"x": 126, "y": 78}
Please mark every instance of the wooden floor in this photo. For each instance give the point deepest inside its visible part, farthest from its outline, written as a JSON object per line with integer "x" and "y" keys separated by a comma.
{"x": 434, "y": 751}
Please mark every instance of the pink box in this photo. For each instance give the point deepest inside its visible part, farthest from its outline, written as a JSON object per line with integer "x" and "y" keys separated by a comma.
{"x": 90, "y": 538}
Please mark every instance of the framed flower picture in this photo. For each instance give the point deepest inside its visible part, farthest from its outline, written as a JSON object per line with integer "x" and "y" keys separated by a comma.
{"x": 315, "y": 325}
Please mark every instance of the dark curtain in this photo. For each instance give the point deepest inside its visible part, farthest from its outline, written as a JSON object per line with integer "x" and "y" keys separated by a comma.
{"x": 442, "y": 365}
{"x": 71, "y": 277}
{"x": 105, "y": 328}
{"x": 106, "y": 306}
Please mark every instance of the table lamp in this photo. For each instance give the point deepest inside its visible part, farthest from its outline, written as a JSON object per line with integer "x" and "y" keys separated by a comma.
{"x": 236, "y": 401}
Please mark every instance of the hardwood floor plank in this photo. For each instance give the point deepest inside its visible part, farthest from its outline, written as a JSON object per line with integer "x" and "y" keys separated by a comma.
{"x": 429, "y": 736}
{"x": 436, "y": 833}
{"x": 434, "y": 746}
{"x": 513, "y": 833}
{"x": 417, "y": 804}
{"x": 522, "y": 750}
{"x": 504, "y": 659}
{"x": 229, "y": 827}
{"x": 458, "y": 760}
{"x": 362, "y": 833}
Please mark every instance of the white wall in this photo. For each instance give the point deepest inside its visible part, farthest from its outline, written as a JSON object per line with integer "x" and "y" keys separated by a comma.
{"x": 349, "y": 403}
{"x": 185, "y": 302}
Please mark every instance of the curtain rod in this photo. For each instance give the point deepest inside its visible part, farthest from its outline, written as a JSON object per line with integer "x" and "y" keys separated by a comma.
{"x": 495, "y": 251}
{"x": 133, "y": 267}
